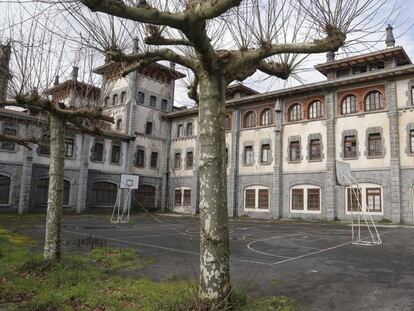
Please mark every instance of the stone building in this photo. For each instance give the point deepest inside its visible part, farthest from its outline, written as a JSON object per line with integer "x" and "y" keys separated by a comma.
{"x": 282, "y": 146}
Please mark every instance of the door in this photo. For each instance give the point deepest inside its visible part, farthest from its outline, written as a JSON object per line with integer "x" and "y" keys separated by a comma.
{"x": 145, "y": 197}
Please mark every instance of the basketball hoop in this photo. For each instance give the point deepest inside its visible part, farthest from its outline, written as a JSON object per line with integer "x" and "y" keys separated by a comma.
{"x": 122, "y": 207}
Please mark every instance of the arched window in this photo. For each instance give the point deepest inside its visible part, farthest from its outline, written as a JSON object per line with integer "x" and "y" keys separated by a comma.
{"x": 43, "y": 192}
{"x": 374, "y": 101}
{"x": 104, "y": 193}
{"x": 228, "y": 123}
{"x": 295, "y": 112}
{"x": 4, "y": 189}
{"x": 266, "y": 117}
{"x": 349, "y": 104}
{"x": 315, "y": 110}
{"x": 249, "y": 119}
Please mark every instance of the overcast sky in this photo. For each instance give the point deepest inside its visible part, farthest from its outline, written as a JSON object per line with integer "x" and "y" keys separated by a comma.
{"x": 404, "y": 33}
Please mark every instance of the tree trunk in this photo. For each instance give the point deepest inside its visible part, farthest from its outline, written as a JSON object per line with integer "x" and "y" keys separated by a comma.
{"x": 214, "y": 243}
{"x": 55, "y": 196}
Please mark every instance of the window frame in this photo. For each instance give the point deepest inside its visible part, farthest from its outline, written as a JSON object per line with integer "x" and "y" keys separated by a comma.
{"x": 154, "y": 159}
{"x": 268, "y": 150}
{"x": 363, "y": 187}
{"x": 249, "y": 119}
{"x": 354, "y": 145}
{"x": 115, "y": 146}
{"x": 149, "y": 128}
{"x": 189, "y": 129}
{"x": 375, "y": 147}
{"x": 352, "y": 105}
{"x": 248, "y": 149}
{"x": 370, "y": 102}
{"x": 10, "y": 131}
{"x": 255, "y": 191}
{"x": 266, "y": 117}
{"x": 184, "y": 195}
{"x": 411, "y": 141}
{"x": 189, "y": 161}
{"x": 138, "y": 153}
{"x": 72, "y": 148}
{"x": 295, "y": 112}
{"x": 115, "y": 99}
{"x": 7, "y": 186}
{"x": 304, "y": 190}
{"x": 315, "y": 156}
{"x": 177, "y": 160}
{"x": 315, "y": 113}
{"x": 298, "y": 151}
{"x": 180, "y": 130}
{"x": 153, "y": 101}
{"x": 93, "y": 157}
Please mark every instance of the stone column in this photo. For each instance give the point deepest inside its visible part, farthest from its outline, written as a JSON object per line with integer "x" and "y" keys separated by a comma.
{"x": 328, "y": 207}
{"x": 277, "y": 197}
{"x": 165, "y": 189}
{"x": 232, "y": 177}
{"x": 25, "y": 181}
{"x": 395, "y": 191}
{"x": 81, "y": 204}
{"x": 195, "y": 182}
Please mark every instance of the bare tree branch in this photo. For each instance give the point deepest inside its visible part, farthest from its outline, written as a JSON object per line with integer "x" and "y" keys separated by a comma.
{"x": 159, "y": 40}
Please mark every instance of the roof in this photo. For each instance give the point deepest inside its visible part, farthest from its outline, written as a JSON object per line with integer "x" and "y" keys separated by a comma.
{"x": 113, "y": 65}
{"x": 397, "y": 52}
{"x": 240, "y": 87}
{"x": 84, "y": 88}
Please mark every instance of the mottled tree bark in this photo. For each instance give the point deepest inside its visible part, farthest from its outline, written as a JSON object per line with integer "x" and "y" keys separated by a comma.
{"x": 214, "y": 244}
{"x": 52, "y": 249}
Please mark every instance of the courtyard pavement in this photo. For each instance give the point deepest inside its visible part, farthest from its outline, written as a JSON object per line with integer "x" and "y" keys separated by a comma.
{"x": 314, "y": 263}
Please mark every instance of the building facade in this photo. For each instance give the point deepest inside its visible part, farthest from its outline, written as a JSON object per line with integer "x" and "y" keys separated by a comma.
{"x": 282, "y": 146}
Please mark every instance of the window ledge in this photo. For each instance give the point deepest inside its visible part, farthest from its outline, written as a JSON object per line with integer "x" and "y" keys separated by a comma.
{"x": 248, "y": 164}
{"x": 265, "y": 163}
{"x": 115, "y": 163}
{"x": 294, "y": 162}
{"x": 315, "y": 160}
{"x": 376, "y": 157}
{"x": 8, "y": 151}
{"x": 350, "y": 159}
{"x": 99, "y": 162}
{"x": 257, "y": 210}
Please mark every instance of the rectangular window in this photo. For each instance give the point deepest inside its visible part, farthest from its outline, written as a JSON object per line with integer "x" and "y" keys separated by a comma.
{"x": 297, "y": 199}
{"x": 265, "y": 154}
{"x": 177, "y": 197}
{"x": 180, "y": 131}
{"x": 350, "y": 147}
{"x": 412, "y": 141}
{"x": 148, "y": 128}
{"x": 315, "y": 149}
{"x": 177, "y": 160}
{"x": 123, "y": 97}
{"x": 140, "y": 158}
{"x": 141, "y": 98}
{"x": 227, "y": 156}
{"x": 164, "y": 104}
{"x": 69, "y": 147}
{"x": 115, "y": 100}
{"x": 374, "y": 145}
{"x": 248, "y": 155}
{"x": 373, "y": 200}
{"x": 250, "y": 199}
{"x": 263, "y": 199}
{"x": 187, "y": 197}
{"x": 116, "y": 153}
{"x": 189, "y": 160}
{"x": 6, "y": 145}
{"x": 97, "y": 154}
{"x": 354, "y": 199}
{"x": 294, "y": 151}
{"x": 106, "y": 101}
{"x": 154, "y": 159}
{"x": 314, "y": 197}
{"x": 153, "y": 101}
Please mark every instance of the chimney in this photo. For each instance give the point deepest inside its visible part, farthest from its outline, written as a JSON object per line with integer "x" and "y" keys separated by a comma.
{"x": 5, "y": 51}
{"x": 390, "y": 40}
{"x": 330, "y": 57}
{"x": 136, "y": 45}
{"x": 56, "y": 80}
{"x": 75, "y": 72}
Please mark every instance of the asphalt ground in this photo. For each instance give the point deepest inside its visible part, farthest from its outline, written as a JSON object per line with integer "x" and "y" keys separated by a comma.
{"x": 315, "y": 263}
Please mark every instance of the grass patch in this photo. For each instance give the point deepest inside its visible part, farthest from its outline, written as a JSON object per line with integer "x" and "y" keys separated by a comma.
{"x": 90, "y": 282}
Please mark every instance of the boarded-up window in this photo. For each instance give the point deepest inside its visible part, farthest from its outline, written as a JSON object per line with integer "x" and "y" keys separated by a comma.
{"x": 43, "y": 192}
{"x": 297, "y": 199}
{"x": 177, "y": 197}
{"x": 104, "y": 193}
{"x": 374, "y": 145}
{"x": 187, "y": 197}
{"x": 314, "y": 197}
{"x": 350, "y": 150}
{"x": 4, "y": 189}
{"x": 250, "y": 199}
{"x": 263, "y": 199}
{"x": 315, "y": 149}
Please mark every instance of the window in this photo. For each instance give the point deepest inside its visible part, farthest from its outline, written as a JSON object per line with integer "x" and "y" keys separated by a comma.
{"x": 148, "y": 128}
{"x": 104, "y": 193}
{"x": 118, "y": 124}
{"x": 189, "y": 130}
{"x": 6, "y": 145}
{"x": 140, "y": 158}
{"x": 263, "y": 199}
{"x": 315, "y": 110}
{"x": 4, "y": 189}
{"x": 249, "y": 119}
{"x": 374, "y": 145}
{"x": 43, "y": 192}
{"x": 116, "y": 153}
{"x": 182, "y": 197}
{"x": 177, "y": 160}
{"x": 294, "y": 151}
{"x": 250, "y": 199}
{"x": 141, "y": 98}
{"x": 114, "y": 99}
{"x": 295, "y": 113}
{"x": 180, "y": 131}
{"x": 350, "y": 147}
{"x": 227, "y": 156}
{"x": 266, "y": 117}
{"x": 412, "y": 96}
{"x": 374, "y": 101}
{"x": 153, "y": 101}
{"x": 123, "y": 97}
{"x": 164, "y": 104}
{"x": 357, "y": 70}
{"x": 248, "y": 155}
{"x": 412, "y": 141}
{"x": 305, "y": 199}
{"x": 342, "y": 73}
{"x": 373, "y": 200}
{"x": 69, "y": 147}
{"x": 349, "y": 105}
{"x": 228, "y": 123}
{"x": 106, "y": 101}
{"x": 154, "y": 159}
{"x": 354, "y": 199}
{"x": 297, "y": 199}
{"x": 315, "y": 149}
{"x": 265, "y": 154}
{"x": 97, "y": 151}
{"x": 44, "y": 148}
{"x": 189, "y": 160}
